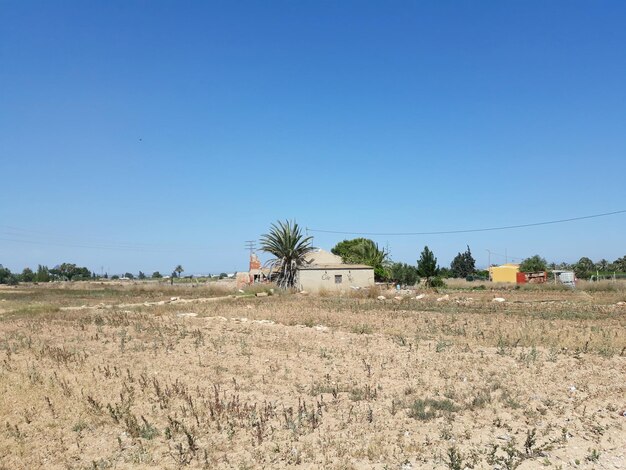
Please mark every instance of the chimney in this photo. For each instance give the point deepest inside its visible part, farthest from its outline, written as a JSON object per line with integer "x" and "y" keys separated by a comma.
{"x": 254, "y": 262}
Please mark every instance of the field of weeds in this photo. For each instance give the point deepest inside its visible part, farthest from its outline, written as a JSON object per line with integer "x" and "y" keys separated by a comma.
{"x": 99, "y": 376}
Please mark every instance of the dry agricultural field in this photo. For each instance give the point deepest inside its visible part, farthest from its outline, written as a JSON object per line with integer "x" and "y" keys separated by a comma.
{"x": 99, "y": 376}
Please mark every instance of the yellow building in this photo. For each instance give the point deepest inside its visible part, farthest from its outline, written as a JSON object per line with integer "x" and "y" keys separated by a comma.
{"x": 504, "y": 273}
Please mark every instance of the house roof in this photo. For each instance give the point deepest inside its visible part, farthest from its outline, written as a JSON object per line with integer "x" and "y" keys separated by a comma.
{"x": 322, "y": 260}
{"x": 327, "y": 266}
{"x": 319, "y": 256}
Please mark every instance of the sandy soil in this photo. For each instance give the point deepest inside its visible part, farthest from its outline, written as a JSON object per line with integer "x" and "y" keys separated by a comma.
{"x": 537, "y": 381}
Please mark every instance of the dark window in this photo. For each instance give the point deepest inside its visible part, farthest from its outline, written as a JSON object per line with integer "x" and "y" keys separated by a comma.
{"x": 338, "y": 278}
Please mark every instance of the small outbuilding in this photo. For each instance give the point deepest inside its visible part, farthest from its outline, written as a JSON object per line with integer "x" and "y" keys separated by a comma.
{"x": 325, "y": 271}
{"x": 504, "y": 273}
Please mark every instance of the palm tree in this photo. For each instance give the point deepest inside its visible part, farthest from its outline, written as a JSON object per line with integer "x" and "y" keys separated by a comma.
{"x": 369, "y": 253}
{"x": 176, "y": 273}
{"x": 289, "y": 246}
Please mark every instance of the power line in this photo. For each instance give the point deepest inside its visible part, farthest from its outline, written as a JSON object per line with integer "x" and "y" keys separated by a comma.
{"x": 489, "y": 229}
{"x": 34, "y": 236}
{"x": 78, "y": 245}
{"x": 37, "y": 237}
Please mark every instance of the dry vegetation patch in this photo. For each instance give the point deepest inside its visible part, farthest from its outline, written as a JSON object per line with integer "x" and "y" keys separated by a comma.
{"x": 317, "y": 382}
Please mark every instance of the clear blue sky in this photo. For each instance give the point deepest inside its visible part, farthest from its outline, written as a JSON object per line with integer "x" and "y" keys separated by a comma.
{"x": 141, "y": 135}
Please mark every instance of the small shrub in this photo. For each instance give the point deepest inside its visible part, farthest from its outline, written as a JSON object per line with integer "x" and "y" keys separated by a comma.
{"x": 427, "y": 409}
{"x": 362, "y": 329}
{"x": 437, "y": 282}
{"x": 594, "y": 456}
{"x": 455, "y": 460}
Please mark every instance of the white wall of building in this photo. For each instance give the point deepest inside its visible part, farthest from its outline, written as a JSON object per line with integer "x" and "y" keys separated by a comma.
{"x": 314, "y": 280}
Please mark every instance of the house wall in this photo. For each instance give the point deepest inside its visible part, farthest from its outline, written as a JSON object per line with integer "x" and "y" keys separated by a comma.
{"x": 314, "y": 280}
{"x": 504, "y": 273}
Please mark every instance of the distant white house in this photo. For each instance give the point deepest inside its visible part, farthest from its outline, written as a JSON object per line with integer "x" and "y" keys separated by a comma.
{"x": 323, "y": 270}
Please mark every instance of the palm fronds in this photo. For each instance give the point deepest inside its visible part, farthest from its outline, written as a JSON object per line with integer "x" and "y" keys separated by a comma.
{"x": 286, "y": 242}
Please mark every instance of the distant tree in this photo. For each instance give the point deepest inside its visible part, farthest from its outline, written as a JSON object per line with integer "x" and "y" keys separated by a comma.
{"x": 43, "y": 274}
{"x": 27, "y": 275}
{"x": 223, "y": 275}
{"x": 288, "y": 246}
{"x": 533, "y": 264}
{"x": 141, "y": 275}
{"x": 364, "y": 251}
{"x": 156, "y": 275}
{"x": 404, "y": 274}
{"x": 70, "y": 272}
{"x": 427, "y": 266}
{"x": 114, "y": 277}
{"x": 129, "y": 275}
{"x": 463, "y": 264}
{"x": 584, "y": 268}
{"x": 560, "y": 266}
{"x": 445, "y": 272}
{"x": 178, "y": 270}
{"x": 7, "y": 277}
{"x": 346, "y": 249}
{"x": 482, "y": 274}
{"x": 619, "y": 265}
{"x": 602, "y": 265}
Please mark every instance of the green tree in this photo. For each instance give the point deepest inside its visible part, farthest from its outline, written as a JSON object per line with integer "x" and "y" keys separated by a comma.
{"x": 404, "y": 274}
{"x": 141, "y": 276}
{"x": 70, "y": 272}
{"x": 27, "y": 275}
{"x": 602, "y": 265}
{"x": 445, "y": 272}
{"x": 533, "y": 264}
{"x": 288, "y": 245}
{"x": 427, "y": 266}
{"x": 7, "y": 277}
{"x": 43, "y": 274}
{"x": 584, "y": 268}
{"x": 463, "y": 264}
{"x": 178, "y": 270}
{"x": 364, "y": 251}
{"x": 129, "y": 275}
{"x": 156, "y": 275}
{"x": 618, "y": 265}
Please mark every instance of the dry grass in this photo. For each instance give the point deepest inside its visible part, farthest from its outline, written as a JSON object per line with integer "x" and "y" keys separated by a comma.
{"x": 316, "y": 382}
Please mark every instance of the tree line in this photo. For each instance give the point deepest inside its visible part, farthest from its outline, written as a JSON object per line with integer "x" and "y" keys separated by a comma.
{"x": 366, "y": 251}
{"x": 584, "y": 268}
{"x": 62, "y": 272}
{"x": 72, "y": 272}
{"x": 286, "y": 242}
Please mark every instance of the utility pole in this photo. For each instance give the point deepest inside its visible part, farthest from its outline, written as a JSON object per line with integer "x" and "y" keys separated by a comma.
{"x": 251, "y": 245}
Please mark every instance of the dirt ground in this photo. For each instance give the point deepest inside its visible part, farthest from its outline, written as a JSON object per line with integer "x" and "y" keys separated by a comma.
{"x": 99, "y": 376}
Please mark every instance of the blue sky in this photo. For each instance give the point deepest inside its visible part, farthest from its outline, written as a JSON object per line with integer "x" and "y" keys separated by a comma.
{"x": 141, "y": 135}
